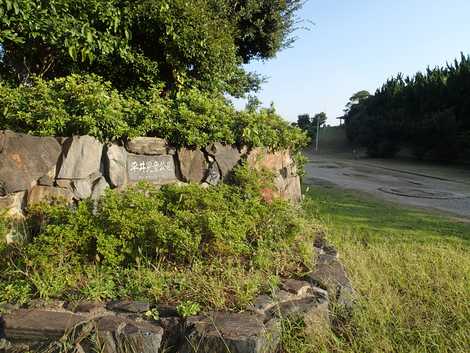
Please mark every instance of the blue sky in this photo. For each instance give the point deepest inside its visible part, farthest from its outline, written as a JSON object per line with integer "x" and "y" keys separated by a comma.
{"x": 358, "y": 44}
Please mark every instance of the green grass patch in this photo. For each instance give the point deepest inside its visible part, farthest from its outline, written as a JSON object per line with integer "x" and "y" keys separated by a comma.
{"x": 411, "y": 270}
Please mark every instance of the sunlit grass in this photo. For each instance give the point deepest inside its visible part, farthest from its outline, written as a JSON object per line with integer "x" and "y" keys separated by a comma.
{"x": 411, "y": 270}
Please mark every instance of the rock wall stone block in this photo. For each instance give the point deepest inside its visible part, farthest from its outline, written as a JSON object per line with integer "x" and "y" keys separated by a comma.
{"x": 147, "y": 146}
{"x": 157, "y": 169}
{"x": 37, "y": 325}
{"x": 14, "y": 204}
{"x": 41, "y": 193}
{"x": 226, "y": 156}
{"x": 81, "y": 157}
{"x": 116, "y": 165}
{"x": 116, "y": 334}
{"x": 286, "y": 179}
{"x": 192, "y": 164}
{"x": 23, "y": 159}
{"x": 228, "y": 332}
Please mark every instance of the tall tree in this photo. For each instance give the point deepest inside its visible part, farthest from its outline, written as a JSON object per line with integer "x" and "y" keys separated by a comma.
{"x": 310, "y": 124}
{"x": 319, "y": 119}
{"x": 141, "y": 43}
{"x": 357, "y": 98}
{"x": 428, "y": 112}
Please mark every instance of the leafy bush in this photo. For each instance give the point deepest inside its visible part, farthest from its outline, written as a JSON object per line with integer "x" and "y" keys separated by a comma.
{"x": 85, "y": 104}
{"x": 160, "y": 243}
{"x": 178, "y": 223}
{"x": 66, "y": 106}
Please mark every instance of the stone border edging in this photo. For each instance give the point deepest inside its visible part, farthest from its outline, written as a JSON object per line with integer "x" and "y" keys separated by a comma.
{"x": 121, "y": 323}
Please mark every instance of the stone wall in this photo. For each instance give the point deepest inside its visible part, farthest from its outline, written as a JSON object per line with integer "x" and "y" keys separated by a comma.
{"x": 33, "y": 169}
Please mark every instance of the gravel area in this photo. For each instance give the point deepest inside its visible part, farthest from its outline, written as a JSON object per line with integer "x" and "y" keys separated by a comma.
{"x": 441, "y": 188}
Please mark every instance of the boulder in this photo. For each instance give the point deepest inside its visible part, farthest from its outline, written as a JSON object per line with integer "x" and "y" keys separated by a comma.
{"x": 93, "y": 308}
{"x": 262, "y": 304}
{"x": 116, "y": 334}
{"x": 290, "y": 188}
{"x": 82, "y": 188}
{"x": 116, "y": 164}
{"x": 173, "y": 332}
{"x": 229, "y": 332}
{"x": 322, "y": 247}
{"x": 277, "y": 162}
{"x": 147, "y": 146}
{"x": 24, "y": 159}
{"x": 331, "y": 275}
{"x": 64, "y": 183}
{"x": 298, "y": 288}
{"x": 81, "y": 157}
{"x": 295, "y": 299}
{"x": 192, "y": 165}
{"x": 48, "y": 179}
{"x": 226, "y": 156}
{"x": 38, "y": 325}
{"x": 129, "y": 306}
{"x": 313, "y": 310}
{"x": 41, "y": 193}
{"x": 166, "y": 310}
{"x": 286, "y": 179}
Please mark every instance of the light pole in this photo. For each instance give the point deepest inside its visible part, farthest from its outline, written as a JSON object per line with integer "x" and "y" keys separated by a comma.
{"x": 318, "y": 134}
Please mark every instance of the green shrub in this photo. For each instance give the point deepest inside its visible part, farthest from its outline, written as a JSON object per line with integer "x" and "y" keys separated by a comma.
{"x": 66, "y": 106}
{"x": 218, "y": 247}
{"x": 178, "y": 223}
{"x": 85, "y": 104}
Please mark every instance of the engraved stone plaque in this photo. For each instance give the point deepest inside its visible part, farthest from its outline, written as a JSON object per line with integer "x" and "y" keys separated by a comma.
{"x": 157, "y": 169}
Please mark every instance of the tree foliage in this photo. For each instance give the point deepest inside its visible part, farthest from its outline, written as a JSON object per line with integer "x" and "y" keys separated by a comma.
{"x": 310, "y": 124}
{"x": 145, "y": 42}
{"x": 117, "y": 68}
{"x": 357, "y": 98}
{"x": 428, "y": 112}
{"x": 86, "y": 105}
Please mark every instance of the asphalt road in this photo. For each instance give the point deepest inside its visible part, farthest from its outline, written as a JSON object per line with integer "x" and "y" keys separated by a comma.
{"x": 442, "y": 188}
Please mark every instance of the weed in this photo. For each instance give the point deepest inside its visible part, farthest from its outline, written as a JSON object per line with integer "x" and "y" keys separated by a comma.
{"x": 188, "y": 308}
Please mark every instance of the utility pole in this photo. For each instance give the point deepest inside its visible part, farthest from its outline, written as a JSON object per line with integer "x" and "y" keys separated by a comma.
{"x": 318, "y": 134}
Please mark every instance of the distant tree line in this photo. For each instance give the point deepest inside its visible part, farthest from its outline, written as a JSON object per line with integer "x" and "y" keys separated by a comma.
{"x": 309, "y": 124}
{"x": 428, "y": 113}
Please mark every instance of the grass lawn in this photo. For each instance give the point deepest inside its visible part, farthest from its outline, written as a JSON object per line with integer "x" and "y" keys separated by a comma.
{"x": 411, "y": 270}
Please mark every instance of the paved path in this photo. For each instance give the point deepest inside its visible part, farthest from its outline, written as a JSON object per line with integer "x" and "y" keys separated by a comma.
{"x": 446, "y": 189}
